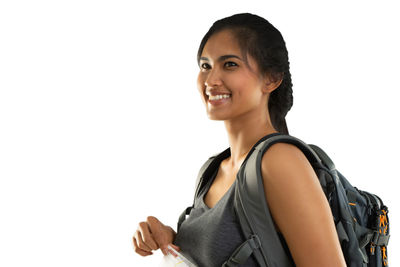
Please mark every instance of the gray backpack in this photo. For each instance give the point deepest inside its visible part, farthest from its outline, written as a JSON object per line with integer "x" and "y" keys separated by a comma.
{"x": 360, "y": 217}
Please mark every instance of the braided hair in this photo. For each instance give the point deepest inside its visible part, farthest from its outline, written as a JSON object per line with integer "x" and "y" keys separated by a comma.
{"x": 261, "y": 40}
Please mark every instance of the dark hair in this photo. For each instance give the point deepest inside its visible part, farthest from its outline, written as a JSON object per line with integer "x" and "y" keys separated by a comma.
{"x": 261, "y": 40}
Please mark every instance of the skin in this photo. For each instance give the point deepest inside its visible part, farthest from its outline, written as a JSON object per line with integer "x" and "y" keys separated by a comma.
{"x": 312, "y": 239}
{"x": 152, "y": 235}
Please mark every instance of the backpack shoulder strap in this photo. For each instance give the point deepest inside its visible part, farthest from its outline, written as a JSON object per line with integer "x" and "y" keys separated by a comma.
{"x": 208, "y": 168}
{"x": 252, "y": 209}
{"x": 202, "y": 178}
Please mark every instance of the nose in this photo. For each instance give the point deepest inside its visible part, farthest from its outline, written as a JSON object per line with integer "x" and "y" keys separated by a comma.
{"x": 213, "y": 78}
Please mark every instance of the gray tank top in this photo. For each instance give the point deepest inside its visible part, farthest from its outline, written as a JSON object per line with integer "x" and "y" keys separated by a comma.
{"x": 209, "y": 236}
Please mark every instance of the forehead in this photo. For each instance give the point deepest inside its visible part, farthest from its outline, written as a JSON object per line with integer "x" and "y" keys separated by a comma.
{"x": 223, "y": 42}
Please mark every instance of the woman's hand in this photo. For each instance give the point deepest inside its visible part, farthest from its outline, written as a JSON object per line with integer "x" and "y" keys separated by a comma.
{"x": 152, "y": 235}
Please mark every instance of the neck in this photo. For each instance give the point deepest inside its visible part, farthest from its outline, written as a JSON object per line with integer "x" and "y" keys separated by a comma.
{"x": 243, "y": 134}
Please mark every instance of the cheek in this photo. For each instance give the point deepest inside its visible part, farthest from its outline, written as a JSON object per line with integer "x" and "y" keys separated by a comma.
{"x": 200, "y": 83}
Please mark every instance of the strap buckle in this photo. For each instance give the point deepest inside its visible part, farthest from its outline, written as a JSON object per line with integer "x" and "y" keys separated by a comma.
{"x": 255, "y": 242}
{"x": 243, "y": 252}
{"x": 378, "y": 239}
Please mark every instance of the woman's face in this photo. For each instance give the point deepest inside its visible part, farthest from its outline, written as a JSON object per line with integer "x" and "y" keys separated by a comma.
{"x": 223, "y": 72}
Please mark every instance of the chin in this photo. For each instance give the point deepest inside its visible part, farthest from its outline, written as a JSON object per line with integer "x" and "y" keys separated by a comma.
{"x": 217, "y": 118}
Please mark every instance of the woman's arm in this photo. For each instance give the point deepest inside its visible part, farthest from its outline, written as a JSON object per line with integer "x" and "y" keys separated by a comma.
{"x": 300, "y": 208}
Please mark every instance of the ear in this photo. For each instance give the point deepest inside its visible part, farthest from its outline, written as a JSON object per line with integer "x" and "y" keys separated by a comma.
{"x": 272, "y": 81}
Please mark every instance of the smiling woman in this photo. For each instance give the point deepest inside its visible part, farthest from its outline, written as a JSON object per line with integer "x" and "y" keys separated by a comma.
{"x": 244, "y": 80}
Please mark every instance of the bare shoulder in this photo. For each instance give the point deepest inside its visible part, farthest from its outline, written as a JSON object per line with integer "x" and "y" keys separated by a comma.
{"x": 283, "y": 150}
{"x": 287, "y": 172}
{"x": 283, "y": 158}
{"x": 299, "y": 207}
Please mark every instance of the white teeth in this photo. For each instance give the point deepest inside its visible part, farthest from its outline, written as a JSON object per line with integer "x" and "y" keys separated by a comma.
{"x": 217, "y": 97}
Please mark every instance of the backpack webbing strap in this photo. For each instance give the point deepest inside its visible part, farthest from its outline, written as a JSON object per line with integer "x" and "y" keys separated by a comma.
{"x": 376, "y": 238}
{"x": 244, "y": 251}
{"x": 341, "y": 233}
{"x": 324, "y": 157}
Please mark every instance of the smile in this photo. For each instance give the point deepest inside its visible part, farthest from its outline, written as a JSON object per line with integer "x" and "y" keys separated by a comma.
{"x": 217, "y": 97}
{"x": 216, "y": 100}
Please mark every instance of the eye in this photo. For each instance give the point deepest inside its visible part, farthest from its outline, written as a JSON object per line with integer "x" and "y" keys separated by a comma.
{"x": 230, "y": 64}
{"x": 205, "y": 66}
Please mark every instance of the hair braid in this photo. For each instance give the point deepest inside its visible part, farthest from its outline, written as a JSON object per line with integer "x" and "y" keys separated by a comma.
{"x": 280, "y": 102}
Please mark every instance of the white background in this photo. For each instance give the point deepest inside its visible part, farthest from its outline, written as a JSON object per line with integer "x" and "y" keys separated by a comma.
{"x": 101, "y": 123}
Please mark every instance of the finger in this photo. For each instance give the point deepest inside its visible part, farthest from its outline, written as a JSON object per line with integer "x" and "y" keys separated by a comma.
{"x": 147, "y": 236}
{"x": 166, "y": 250}
{"x": 170, "y": 251}
{"x": 140, "y": 242}
{"x": 158, "y": 231}
{"x": 175, "y": 247}
{"x": 155, "y": 224}
{"x": 140, "y": 251}
{"x": 172, "y": 248}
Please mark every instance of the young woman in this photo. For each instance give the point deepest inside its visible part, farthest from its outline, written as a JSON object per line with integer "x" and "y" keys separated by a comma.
{"x": 244, "y": 80}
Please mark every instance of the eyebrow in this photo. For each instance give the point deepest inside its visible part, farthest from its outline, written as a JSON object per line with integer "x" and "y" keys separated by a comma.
{"x": 222, "y": 58}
